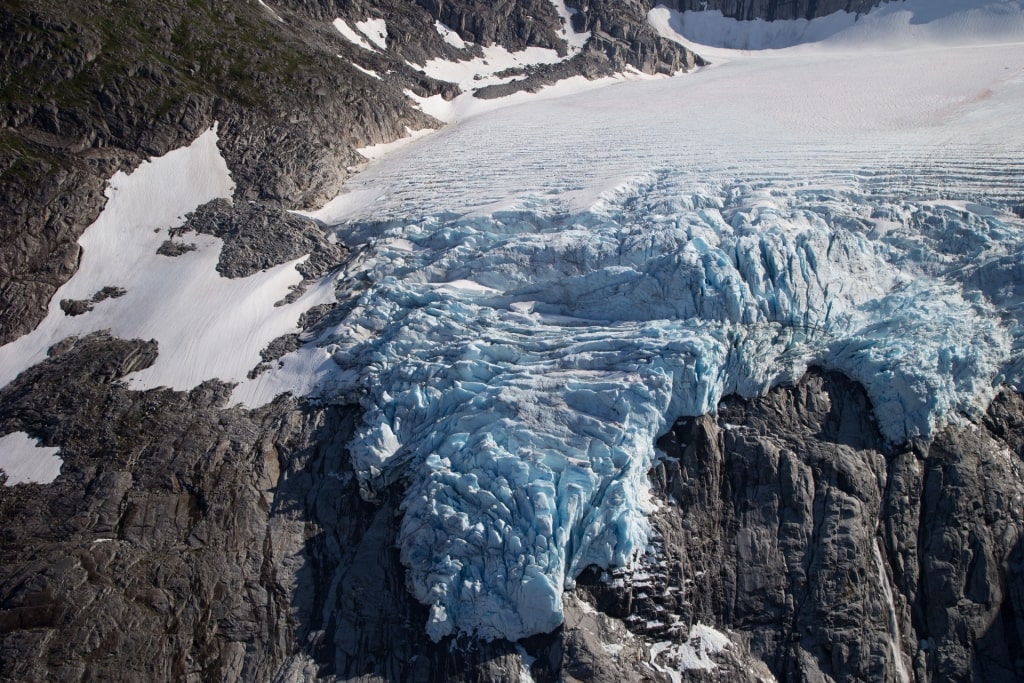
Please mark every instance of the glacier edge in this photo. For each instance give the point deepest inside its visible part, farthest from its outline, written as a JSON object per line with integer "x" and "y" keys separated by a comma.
{"x": 516, "y": 368}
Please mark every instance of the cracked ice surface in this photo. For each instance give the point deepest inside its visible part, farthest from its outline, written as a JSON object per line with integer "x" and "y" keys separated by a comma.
{"x": 516, "y": 369}
{"x": 528, "y": 313}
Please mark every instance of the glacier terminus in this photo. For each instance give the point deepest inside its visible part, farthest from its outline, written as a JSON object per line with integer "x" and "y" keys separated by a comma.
{"x": 538, "y": 291}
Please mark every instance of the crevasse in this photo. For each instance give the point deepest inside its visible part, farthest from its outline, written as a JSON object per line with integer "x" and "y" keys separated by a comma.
{"x": 518, "y": 340}
{"x": 516, "y": 368}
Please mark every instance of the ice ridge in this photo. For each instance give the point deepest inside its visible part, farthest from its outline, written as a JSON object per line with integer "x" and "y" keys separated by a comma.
{"x": 516, "y": 368}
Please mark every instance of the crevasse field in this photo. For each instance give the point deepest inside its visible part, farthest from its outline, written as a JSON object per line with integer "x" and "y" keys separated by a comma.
{"x": 540, "y": 290}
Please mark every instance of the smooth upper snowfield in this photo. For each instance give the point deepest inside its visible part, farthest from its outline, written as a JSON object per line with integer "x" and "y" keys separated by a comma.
{"x": 541, "y": 290}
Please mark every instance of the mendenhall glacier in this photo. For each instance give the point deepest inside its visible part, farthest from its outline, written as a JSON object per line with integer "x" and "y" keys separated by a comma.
{"x": 537, "y": 293}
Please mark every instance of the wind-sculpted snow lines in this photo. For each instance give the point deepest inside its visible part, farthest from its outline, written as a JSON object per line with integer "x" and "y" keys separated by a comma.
{"x": 515, "y": 369}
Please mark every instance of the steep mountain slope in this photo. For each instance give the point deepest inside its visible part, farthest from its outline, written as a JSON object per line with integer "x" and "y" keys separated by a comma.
{"x": 89, "y": 89}
{"x": 94, "y": 87}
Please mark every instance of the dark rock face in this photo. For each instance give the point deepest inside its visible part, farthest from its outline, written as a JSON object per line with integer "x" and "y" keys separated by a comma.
{"x": 838, "y": 559}
{"x": 774, "y": 9}
{"x": 620, "y": 38}
{"x": 257, "y": 236}
{"x": 153, "y": 556}
{"x": 620, "y": 31}
{"x": 46, "y": 210}
{"x": 516, "y": 24}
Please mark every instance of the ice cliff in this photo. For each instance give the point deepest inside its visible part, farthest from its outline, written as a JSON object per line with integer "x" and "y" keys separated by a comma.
{"x": 515, "y": 368}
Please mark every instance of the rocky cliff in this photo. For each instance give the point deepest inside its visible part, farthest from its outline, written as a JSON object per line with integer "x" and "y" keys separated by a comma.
{"x": 188, "y": 541}
{"x": 836, "y": 558}
{"x": 774, "y": 9}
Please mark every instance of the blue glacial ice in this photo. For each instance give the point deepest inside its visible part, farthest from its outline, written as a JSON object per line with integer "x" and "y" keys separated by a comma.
{"x": 518, "y": 340}
{"x": 515, "y": 368}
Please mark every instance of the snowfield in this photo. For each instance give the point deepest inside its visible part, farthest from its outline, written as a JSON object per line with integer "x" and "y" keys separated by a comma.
{"x": 540, "y": 291}
{"x": 24, "y": 461}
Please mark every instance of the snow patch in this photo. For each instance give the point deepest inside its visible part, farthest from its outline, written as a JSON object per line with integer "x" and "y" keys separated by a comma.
{"x": 368, "y": 72}
{"x": 463, "y": 287}
{"x": 207, "y": 326}
{"x": 575, "y": 40}
{"x": 693, "y": 655}
{"x": 480, "y": 71}
{"x": 466, "y": 106}
{"x": 271, "y": 10}
{"x": 450, "y": 36}
{"x": 376, "y": 151}
{"x": 24, "y": 461}
{"x": 376, "y": 30}
{"x": 525, "y": 662}
{"x": 351, "y": 35}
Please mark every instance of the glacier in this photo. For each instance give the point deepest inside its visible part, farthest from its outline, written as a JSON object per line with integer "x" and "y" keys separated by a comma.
{"x": 516, "y": 369}
{"x": 539, "y": 292}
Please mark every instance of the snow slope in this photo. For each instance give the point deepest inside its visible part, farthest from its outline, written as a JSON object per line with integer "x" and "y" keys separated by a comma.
{"x": 207, "y": 326}
{"x": 24, "y": 461}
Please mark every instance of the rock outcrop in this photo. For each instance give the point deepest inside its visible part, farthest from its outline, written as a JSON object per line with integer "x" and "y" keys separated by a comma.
{"x": 836, "y": 558}
{"x": 774, "y": 9}
{"x": 258, "y": 236}
{"x": 154, "y": 556}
